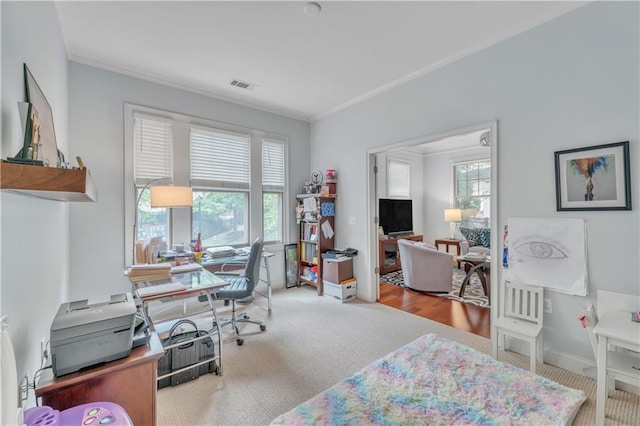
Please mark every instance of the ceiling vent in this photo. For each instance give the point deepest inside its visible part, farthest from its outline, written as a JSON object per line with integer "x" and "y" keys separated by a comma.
{"x": 242, "y": 84}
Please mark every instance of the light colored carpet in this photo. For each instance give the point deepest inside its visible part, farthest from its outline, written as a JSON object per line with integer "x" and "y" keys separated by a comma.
{"x": 313, "y": 342}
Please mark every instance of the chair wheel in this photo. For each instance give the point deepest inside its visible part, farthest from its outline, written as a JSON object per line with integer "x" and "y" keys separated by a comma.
{"x": 240, "y": 342}
{"x": 263, "y": 327}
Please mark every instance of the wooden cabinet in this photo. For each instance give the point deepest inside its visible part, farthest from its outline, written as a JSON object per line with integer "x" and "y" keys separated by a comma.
{"x": 389, "y": 257}
{"x": 51, "y": 183}
{"x": 316, "y": 227}
{"x": 129, "y": 382}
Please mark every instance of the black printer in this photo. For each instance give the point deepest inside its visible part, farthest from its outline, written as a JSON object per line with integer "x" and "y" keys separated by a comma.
{"x": 83, "y": 334}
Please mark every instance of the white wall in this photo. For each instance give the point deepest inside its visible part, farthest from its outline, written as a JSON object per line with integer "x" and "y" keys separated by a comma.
{"x": 34, "y": 232}
{"x": 416, "y": 180}
{"x": 569, "y": 83}
{"x": 96, "y": 116}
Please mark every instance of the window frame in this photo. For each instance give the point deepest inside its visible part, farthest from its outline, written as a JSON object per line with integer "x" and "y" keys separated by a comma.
{"x": 456, "y": 198}
{"x": 401, "y": 163}
{"x": 180, "y": 226}
{"x": 275, "y": 189}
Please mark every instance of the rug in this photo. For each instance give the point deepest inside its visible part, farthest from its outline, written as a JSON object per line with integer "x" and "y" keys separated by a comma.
{"x": 436, "y": 381}
{"x": 473, "y": 293}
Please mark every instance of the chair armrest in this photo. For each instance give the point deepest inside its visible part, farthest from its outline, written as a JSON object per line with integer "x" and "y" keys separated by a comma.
{"x": 229, "y": 274}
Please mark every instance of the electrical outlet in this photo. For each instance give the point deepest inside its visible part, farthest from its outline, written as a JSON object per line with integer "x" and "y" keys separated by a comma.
{"x": 547, "y": 306}
{"x": 24, "y": 386}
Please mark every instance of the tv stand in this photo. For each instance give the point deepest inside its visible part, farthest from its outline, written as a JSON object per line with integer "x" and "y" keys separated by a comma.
{"x": 400, "y": 234}
{"x": 388, "y": 255}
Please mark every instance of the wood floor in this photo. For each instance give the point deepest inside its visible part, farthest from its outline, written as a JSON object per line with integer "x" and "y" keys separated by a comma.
{"x": 464, "y": 316}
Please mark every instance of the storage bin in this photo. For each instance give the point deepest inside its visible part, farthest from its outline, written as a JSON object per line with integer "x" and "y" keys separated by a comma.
{"x": 337, "y": 270}
{"x": 192, "y": 352}
{"x": 343, "y": 292}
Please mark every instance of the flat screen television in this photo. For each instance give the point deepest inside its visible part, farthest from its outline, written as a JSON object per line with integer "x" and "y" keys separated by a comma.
{"x": 395, "y": 216}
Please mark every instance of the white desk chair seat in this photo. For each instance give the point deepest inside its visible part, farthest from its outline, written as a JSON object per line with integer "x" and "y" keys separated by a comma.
{"x": 520, "y": 317}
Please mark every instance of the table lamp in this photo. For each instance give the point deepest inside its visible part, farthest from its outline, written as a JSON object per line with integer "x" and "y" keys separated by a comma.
{"x": 167, "y": 196}
{"x": 453, "y": 216}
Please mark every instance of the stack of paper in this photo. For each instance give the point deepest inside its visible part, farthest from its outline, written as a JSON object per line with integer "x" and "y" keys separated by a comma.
{"x": 187, "y": 267}
{"x": 221, "y": 251}
{"x": 172, "y": 287}
{"x": 150, "y": 272}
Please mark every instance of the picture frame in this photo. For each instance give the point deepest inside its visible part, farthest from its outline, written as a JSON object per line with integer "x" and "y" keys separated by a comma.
{"x": 291, "y": 265}
{"x": 593, "y": 178}
{"x": 47, "y": 145}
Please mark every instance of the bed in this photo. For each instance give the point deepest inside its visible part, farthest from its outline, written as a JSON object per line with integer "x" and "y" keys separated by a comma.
{"x": 436, "y": 381}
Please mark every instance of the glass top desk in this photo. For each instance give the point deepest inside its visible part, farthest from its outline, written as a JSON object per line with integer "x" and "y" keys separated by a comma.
{"x": 180, "y": 286}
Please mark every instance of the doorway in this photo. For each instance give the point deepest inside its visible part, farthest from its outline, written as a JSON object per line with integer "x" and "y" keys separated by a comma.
{"x": 462, "y": 144}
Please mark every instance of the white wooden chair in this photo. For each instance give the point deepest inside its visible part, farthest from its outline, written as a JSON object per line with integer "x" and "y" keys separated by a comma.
{"x": 520, "y": 316}
{"x": 621, "y": 366}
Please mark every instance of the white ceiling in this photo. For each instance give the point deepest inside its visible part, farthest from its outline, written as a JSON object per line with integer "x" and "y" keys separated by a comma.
{"x": 303, "y": 66}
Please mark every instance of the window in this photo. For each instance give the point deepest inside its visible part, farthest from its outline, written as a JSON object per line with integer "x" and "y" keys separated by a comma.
{"x": 153, "y": 160}
{"x": 273, "y": 179}
{"x": 398, "y": 179}
{"x": 472, "y": 192}
{"x": 238, "y": 177}
{"x": 220, "y": 176}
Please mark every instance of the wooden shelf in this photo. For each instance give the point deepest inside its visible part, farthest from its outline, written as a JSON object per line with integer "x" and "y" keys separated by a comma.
{"x": 50, "y": 183}
{"x": 311, "y": 239}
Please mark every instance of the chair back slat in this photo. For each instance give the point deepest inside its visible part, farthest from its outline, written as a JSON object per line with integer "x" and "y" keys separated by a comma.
{"x": 523, "y": 301}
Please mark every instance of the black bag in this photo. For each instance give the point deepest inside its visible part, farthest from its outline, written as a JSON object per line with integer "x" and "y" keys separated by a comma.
{"x": 192, "y": 352}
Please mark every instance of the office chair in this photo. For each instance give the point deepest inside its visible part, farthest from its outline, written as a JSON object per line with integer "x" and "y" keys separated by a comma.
{"x": 241, "y": 287}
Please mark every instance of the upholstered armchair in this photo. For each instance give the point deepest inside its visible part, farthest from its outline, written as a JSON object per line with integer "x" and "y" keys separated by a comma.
{"x": 476, "y": 241}
{"x": 424, "y": 268}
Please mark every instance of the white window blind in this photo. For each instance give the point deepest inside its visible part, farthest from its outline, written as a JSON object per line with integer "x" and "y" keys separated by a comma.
{"x": 153, "y": 148}
{"x": 273, "y": 165}
{"x": 220, "y": 159}
{"x": 398, "y": 179}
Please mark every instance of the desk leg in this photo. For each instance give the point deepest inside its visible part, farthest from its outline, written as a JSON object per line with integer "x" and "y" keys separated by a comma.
{"x": 601, "y": 393}
{"x": 267, "y": 281}
{"x": 218, "y": 328}
{"x": 266, "y": 265}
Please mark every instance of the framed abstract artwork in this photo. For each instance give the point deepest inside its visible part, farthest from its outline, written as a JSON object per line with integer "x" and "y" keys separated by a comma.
{"x": 593, "y": 178}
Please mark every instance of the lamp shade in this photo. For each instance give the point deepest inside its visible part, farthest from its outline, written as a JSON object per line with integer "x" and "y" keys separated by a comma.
{"x": 452, "y": 215}
{"x": 171, "y": 196}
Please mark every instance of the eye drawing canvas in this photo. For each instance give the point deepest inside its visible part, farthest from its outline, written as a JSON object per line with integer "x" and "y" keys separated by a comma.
{"x": 550, "y": 253}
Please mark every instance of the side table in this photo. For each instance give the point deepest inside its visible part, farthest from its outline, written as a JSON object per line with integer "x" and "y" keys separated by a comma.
{"x": 448, "y": 242}
{"x": 480, "y": 267}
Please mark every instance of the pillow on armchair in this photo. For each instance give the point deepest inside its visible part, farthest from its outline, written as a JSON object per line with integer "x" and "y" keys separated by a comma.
{"x": 477, "y": 237}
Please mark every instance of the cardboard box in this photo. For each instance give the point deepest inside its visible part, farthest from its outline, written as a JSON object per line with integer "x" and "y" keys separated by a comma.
{"x": 342, "y": 292}
{"x": 338, "y": 269}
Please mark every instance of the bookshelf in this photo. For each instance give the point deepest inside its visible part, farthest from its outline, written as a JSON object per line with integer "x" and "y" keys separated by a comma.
{"x": 316, "y": 234}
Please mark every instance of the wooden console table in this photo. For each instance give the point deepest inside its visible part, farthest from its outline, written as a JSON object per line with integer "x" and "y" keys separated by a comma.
{"x": 389, "y": 258}
{"x": 129, "y": 382}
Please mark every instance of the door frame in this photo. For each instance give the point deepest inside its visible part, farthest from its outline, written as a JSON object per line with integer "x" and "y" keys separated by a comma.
{"x": 496, "y": 240}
